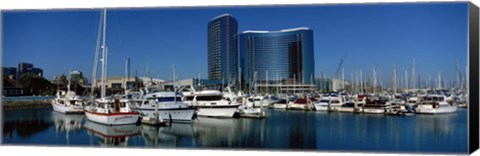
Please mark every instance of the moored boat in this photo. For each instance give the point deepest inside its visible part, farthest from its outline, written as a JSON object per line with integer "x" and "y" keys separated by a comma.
{"x": 303, "y": 104}
{"x": 108, "y": 112}
{"x": 259, "y": 101}
{"x": 281, "y": 104}
{"x": 104, "y": 110}
{"x": 375, "y": 104}
{"x": 211, "y": 103}
{"x": 170, "y": 107}
{"x": 67, "y": 102}
{"x": 436, "y": 104}
{"x": 330, "y": 102}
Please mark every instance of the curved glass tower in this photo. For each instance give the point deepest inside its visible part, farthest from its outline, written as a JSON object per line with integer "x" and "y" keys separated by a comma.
{"x": 223, "y": 49}
{"x": 285, "y": 55}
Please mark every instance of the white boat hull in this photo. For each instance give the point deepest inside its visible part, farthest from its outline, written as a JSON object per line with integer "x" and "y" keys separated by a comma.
{"x": 441, "y": 110}
{"x": 113, "y": 118}
{"x": 373, "y": 110}
{"x": 279, "y": 106}
{"x": 298, "y": 106}
{"x": 346, "y": 109}
{"x": 324, "y": 107}
{"x": 177, "y": 115}
{"x": 251, "y": 112}
{"x": 67, "y": 109}
{"x": 264, "y": 105}
{"x": 217, "y": 111}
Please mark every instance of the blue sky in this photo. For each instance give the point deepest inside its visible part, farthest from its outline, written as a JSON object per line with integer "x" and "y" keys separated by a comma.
{"x": 435, "y": 34}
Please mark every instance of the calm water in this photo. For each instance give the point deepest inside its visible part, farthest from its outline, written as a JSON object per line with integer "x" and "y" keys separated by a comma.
{"x": 281, "y": 130}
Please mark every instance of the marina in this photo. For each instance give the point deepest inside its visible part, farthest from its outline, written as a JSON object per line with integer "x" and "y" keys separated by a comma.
{"x": 280, "y": 130}
{"x": 266, "y": 86}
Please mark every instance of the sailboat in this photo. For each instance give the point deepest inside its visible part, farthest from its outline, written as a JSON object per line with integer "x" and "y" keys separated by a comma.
{"x": 106, "y": 110}
{"x": 67, "y": 102}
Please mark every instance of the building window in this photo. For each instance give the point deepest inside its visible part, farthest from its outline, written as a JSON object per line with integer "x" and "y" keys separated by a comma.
{"x": 116, "y": 85}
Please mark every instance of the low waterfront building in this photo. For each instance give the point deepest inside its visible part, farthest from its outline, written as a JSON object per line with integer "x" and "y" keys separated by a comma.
{"x": 12, "y": 87}
{"x": 198, "y": 84}
{"x": 331, "y": 85}
{"x": 284, "y": 88}
{"x": 118, "y": 84}
{"x": 149, "y": 81}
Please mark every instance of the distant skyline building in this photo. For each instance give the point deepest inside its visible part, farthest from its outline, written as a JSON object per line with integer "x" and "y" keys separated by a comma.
{"x": 223, "y": 49}
{"x": 24, "y": 68}
{"x": 286, "y": 55}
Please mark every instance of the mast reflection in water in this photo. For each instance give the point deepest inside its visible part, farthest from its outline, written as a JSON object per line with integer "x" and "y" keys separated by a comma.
{"x": 281, "y": 130}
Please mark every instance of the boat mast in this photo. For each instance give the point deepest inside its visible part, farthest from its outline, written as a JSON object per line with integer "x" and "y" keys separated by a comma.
{"x": 240, "y": 81}
{"x": 406, "y": 80}
{"x": 361, "y": 81}
{"x": 69, "y": 81}
{"x": 374, "y": 80}
{"x": 277, "y": 84}
{"x": 414, "y": 82}
{"x": 174, "y": 83}
{"x": 343, "y": 78}
{"x": 394, "y": 80}
{"x": 95, "y": 62}
{"x": 255, "y": 84}
{"x": 104, "y": 54}
{"x": 266, "y": 82}
{"x": 127, "y": 62}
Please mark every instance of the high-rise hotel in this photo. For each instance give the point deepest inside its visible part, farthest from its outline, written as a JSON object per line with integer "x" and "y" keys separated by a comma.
{"x": 223, "y": 49}
{"x": 285, "y": 55}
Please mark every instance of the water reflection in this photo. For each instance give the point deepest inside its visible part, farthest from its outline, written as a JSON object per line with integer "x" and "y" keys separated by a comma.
{"x": 285, "y": 130}
{"x": 24, "y": 123}
{"x": 366, "y": 132}
{"x": 171, "y": 136}
{"x": 214, "y": 132}
{"x": 435, "y": 124}
{"x": 111, "y": 135}
{"x": 67, "y": 123}
{"x": 442, "y": 131}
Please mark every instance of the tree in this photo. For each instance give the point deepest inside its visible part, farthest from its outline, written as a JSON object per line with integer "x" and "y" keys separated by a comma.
{"x": 61, "y": 80}
{"x": 36, "y": 85}
{"x": 78, "y": 79}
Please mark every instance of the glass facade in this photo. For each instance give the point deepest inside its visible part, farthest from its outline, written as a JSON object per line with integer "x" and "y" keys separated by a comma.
{"x": 223, "y": 49}
{"x": 285, "y": 55}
